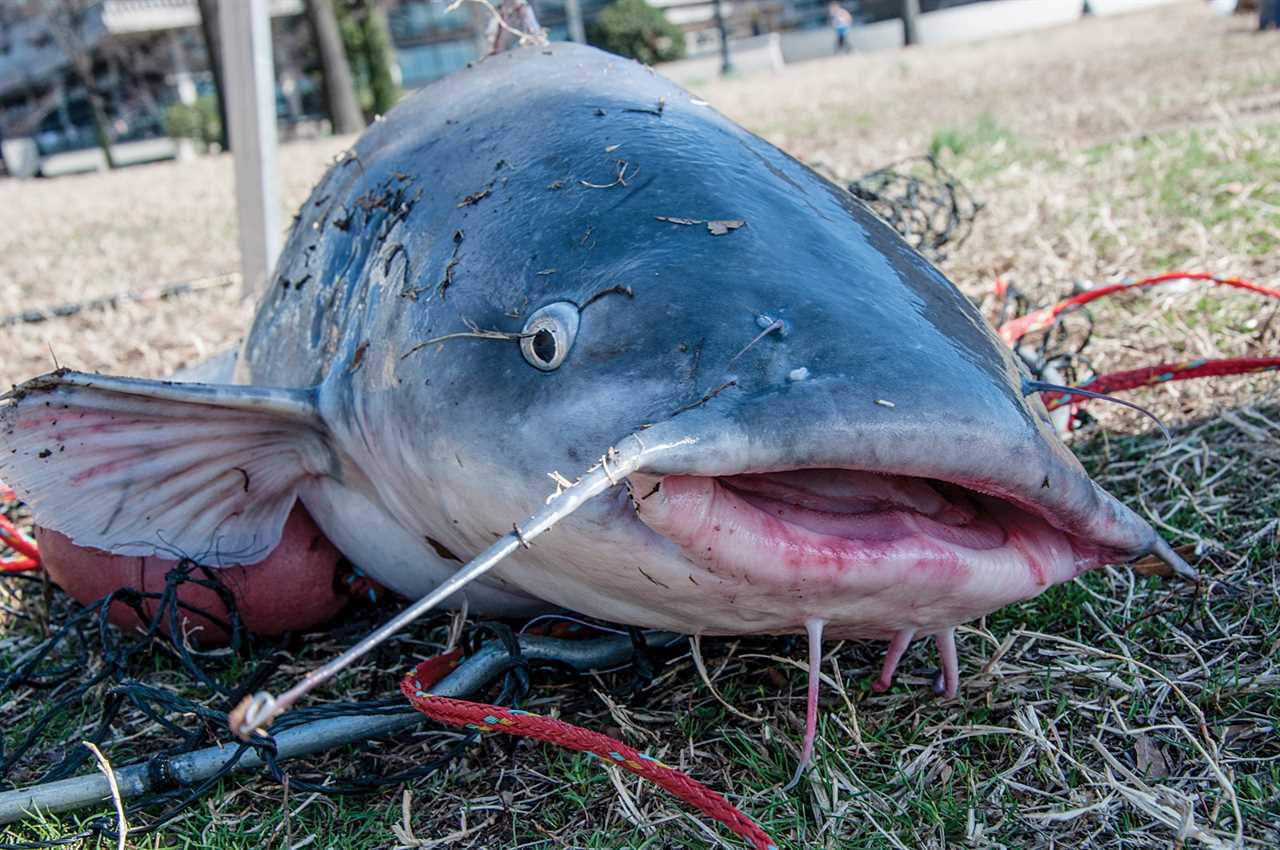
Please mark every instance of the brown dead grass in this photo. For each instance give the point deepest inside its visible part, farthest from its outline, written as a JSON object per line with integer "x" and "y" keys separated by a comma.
{"x": 73, "y": 238}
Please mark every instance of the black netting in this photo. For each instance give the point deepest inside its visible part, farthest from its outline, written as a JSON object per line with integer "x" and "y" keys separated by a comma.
{"x": 921, "y": 200}
{"x": 88, "y": 665}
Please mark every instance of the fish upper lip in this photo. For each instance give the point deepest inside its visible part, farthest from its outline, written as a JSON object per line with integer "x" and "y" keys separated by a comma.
{"x": 826, "y": 425}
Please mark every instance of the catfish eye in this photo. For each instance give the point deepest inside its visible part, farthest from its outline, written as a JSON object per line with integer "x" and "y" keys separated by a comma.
{"x": 548, "y": 335}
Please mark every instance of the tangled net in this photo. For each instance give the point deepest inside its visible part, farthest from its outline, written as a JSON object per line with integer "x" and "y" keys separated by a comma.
{"x": 87, "y": 676}
{"x": 925, "y": 203}
{"x": 1051, "y": 341}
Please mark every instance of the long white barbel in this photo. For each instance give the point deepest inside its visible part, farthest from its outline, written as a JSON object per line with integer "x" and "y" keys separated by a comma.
{"x": 259, "y": 710}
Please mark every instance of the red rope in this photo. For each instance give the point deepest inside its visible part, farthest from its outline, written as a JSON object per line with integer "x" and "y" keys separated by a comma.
{"x": 1037, "y": 320}
{"x": 1163, "y": 373}
{"x": 493, "y": 718}
{"x": 28, "y": 555}
{"x": 1043, "y": 318}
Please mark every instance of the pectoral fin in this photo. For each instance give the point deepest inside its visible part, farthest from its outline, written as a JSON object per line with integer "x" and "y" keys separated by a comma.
{"x": 141, "y": 467}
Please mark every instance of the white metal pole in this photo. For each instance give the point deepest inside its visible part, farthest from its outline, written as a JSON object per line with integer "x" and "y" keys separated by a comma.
{"x": 250, "y": 90}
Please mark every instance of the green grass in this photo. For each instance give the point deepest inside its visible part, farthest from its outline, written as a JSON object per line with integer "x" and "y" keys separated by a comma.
{"x": 983, "y": 134}
{"x": 1027, "y": 738}
{"x": 1227, "y": 182}
{"x": 1254, "y": 84}
{"x": 981, "y": 148}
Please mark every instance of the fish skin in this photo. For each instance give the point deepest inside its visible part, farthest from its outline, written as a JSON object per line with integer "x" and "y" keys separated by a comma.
{"x": 447, "y": 215}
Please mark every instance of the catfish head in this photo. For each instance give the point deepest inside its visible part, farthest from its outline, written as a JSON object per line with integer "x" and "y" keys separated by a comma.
{"x": 846, "y": 439}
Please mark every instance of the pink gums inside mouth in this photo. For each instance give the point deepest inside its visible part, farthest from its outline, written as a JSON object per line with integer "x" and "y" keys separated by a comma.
{"x": 864, "y": 506}
{"x": 881, "y": 551}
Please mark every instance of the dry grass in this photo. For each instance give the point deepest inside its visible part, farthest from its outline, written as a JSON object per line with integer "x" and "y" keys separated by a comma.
{"x": 1115, "y": 712}
{"x": 74, "y": 238}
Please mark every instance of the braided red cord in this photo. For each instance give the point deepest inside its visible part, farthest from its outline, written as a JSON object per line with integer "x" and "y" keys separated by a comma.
{"x": 28, "y": 555}
{"x": 1038, "y": 320}
{"x": 1162, "y": 373}
{"x": 493, "y": 718}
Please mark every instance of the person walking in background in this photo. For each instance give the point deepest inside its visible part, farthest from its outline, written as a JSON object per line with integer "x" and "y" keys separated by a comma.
{"x": 1268, "y": 14}
{"x": 842, "y": 21}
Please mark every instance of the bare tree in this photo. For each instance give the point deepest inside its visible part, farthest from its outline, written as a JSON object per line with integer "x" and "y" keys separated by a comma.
{"x": 339, "y": 87}
{"x": 910, "y": 18}
{"x": 379, "y": 56}
{"x": 208, "y": 28}
{"x": 69, "y": 25}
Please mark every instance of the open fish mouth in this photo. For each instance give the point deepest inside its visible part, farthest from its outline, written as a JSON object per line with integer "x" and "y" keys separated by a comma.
{"x": 869, "y": 553}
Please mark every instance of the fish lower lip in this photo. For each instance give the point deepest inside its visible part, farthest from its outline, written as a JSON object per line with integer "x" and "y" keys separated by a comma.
{"x": 870, "y": 553}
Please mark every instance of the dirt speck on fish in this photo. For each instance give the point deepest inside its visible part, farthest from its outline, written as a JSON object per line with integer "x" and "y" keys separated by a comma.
{"x": 720, "y": 228}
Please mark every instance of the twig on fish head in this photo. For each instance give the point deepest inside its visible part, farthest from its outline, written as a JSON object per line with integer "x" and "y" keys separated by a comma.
{"x": 604, "y": 463}
{"x": 474, "y": 332}
{"x": 259, "y": 710}
{"x": 498, "y": 25}
{"x": 710, "y": 394}
{"x": 620, "y": 177}
{"x": 773, "y": 327}
{"x": 562, "y": 484}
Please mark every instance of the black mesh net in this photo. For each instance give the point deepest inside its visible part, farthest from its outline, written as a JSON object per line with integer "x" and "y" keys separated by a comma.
{"x": 921, "y": 200}
{"x": 88, "y": 680}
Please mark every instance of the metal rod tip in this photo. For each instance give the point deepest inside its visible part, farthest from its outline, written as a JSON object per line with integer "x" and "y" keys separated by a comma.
{"x": 253, "y": 714}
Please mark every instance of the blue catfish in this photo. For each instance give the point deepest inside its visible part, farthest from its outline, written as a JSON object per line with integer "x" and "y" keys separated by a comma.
{"x": 542, "y": 257}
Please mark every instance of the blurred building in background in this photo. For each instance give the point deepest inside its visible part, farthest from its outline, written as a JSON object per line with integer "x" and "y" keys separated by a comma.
{"x": 131, "y": 76}
{"x": 142, "y": 56}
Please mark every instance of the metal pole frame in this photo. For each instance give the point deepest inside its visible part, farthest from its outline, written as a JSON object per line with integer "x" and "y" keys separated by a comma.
{"x": 249, "y": 70}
